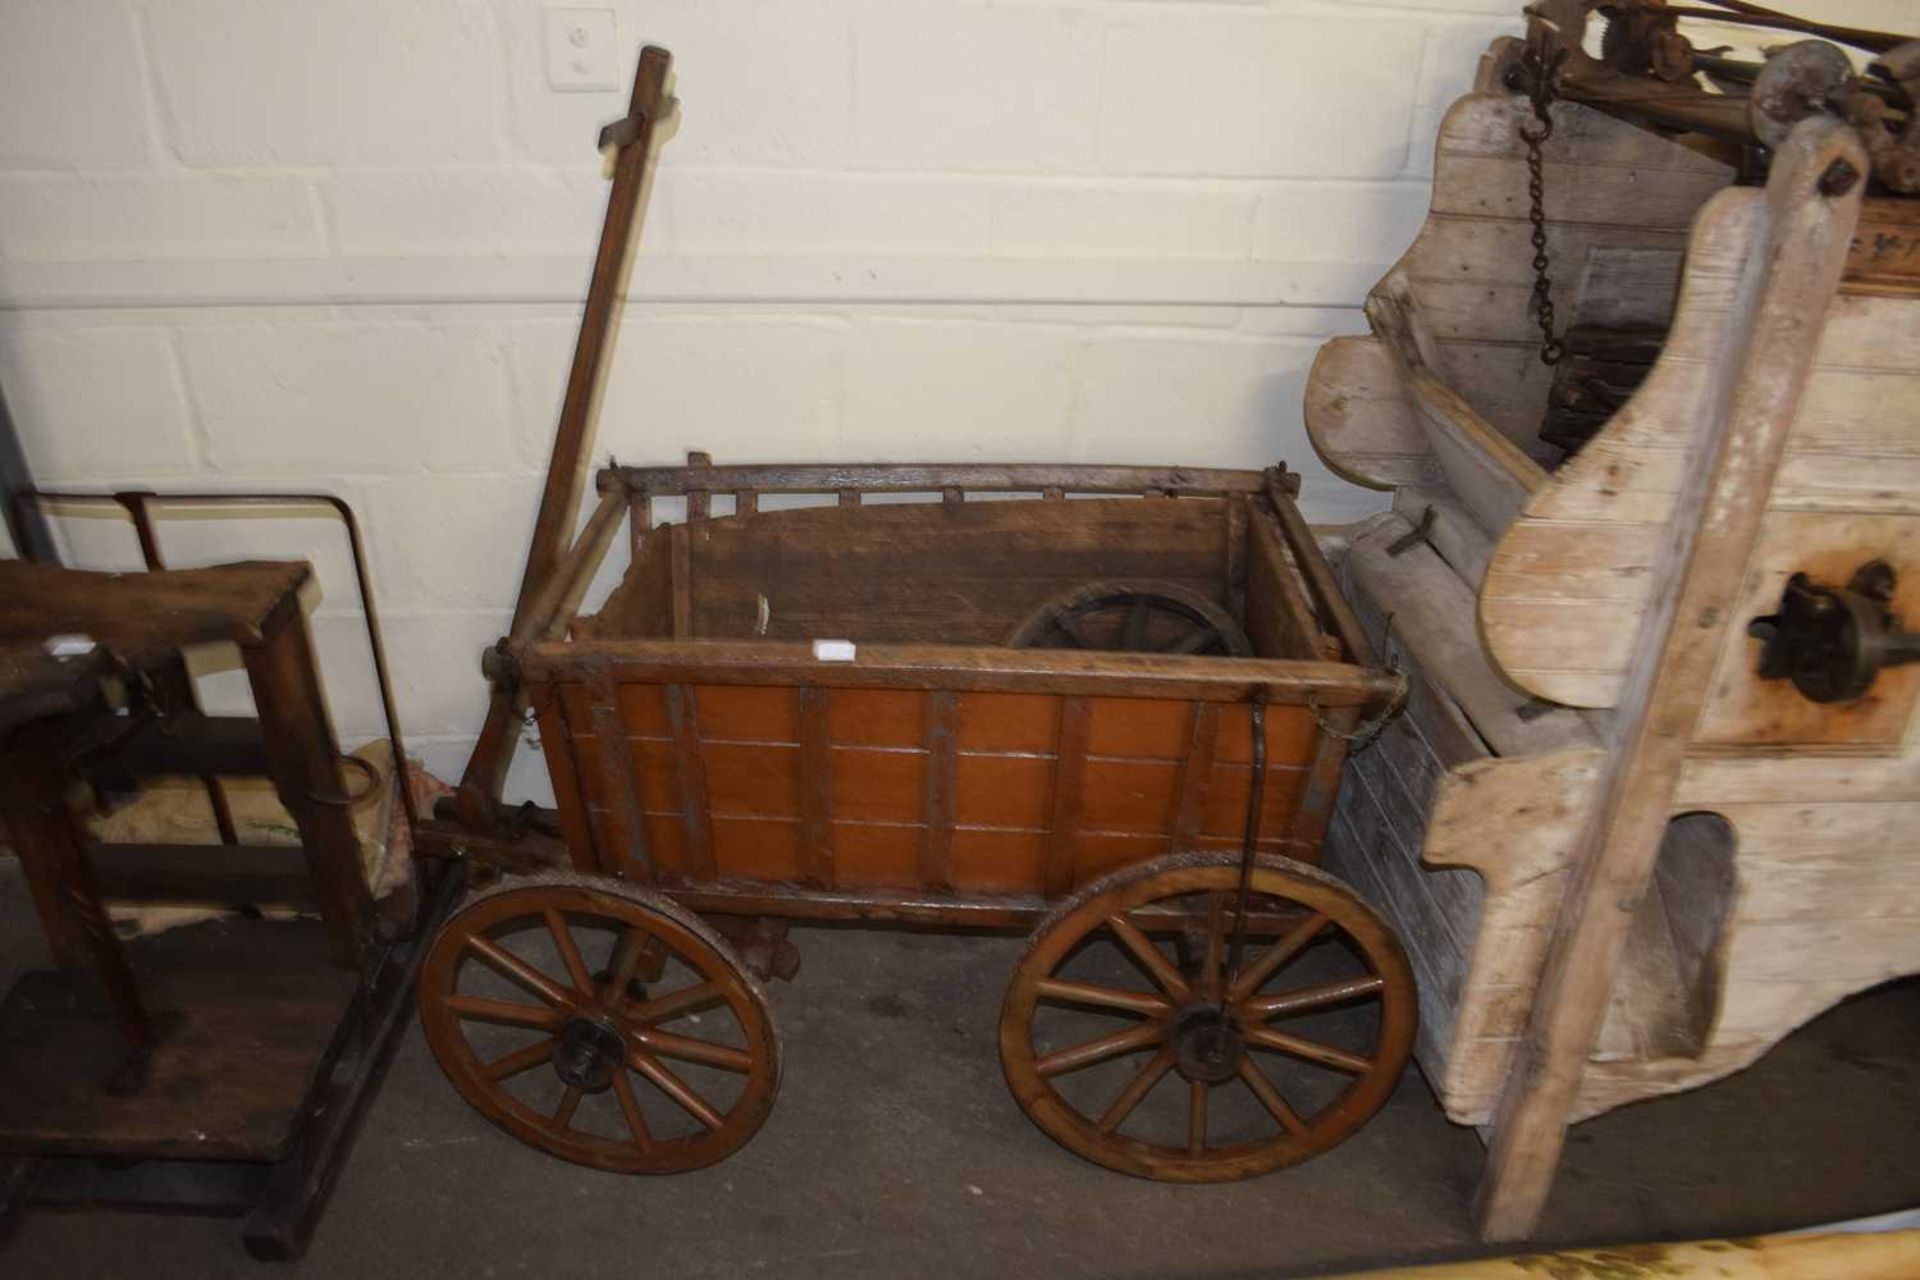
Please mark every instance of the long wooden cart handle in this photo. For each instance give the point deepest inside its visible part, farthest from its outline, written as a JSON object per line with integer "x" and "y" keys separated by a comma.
{"x": 633, "y": 143}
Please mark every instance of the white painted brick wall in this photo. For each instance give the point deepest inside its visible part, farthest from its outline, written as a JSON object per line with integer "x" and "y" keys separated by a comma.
{"x": 340, "y": 246}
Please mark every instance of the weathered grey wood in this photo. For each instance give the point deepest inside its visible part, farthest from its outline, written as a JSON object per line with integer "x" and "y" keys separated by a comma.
{"x": 1793, "y": 270}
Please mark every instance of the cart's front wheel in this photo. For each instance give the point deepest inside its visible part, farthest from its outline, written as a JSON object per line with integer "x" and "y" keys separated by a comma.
{"x": 532, "y": 998}
{"x": 1133, "y": 1035}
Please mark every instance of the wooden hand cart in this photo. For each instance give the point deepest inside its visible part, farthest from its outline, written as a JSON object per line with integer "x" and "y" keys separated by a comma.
{"x": 814, "y": 712}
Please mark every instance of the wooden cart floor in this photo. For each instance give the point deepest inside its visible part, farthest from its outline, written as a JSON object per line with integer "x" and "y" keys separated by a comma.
{"x": 895, "y": 1150}
{"x": 246, "y": 1008}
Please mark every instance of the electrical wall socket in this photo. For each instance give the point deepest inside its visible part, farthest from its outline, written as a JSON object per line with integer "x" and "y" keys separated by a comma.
{"x": 580, "y": 47}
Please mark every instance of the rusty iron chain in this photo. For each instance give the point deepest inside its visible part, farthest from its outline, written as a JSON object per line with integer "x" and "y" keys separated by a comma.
{"x": 1542, "y": 62}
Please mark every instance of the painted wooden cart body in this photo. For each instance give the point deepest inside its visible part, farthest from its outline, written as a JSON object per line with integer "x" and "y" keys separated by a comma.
{"x": 1625, "y": 862}
{"x": 698, "y": 743}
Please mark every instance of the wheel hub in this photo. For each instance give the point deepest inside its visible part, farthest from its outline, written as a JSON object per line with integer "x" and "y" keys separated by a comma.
{"x": 1207, "y": 1044}
{"x": 588, "y": 1054}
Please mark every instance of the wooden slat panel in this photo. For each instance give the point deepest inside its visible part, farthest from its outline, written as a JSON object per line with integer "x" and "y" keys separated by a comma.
{"x": 1280, "y": 620}
{"x": 943, "y": 715}
{"x": 1196, "y": 773}
{"x": 559, "y": 747}
{"x": 622, "y": 787}
{"x": 965, "y": 574}
{"x": 683, "y": 710}
{"x": 933, "y": 477}
{"x": 816, "y": 787}
{"x": 1070, "y": 765}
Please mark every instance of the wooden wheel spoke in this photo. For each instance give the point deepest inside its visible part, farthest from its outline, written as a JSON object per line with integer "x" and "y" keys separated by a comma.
{"x": 1269, "y": 1097}
{"x": 569, "y": 952}
{"x": 1133, "y": 634}
{"x": 569, "y": 1103}
{"x": 1323, "y": 1055}
{"x": 512, "y": 967}
{"x": 524, "y": 1058}
{"x": 507, "y": 1013}
{"x": 1197, "y": 1117}
{"x": 626, "y": 960}
{"x": 686, "y": 1000}
{"x": 630, "y": 1108}
{"x": 1110, "y": 1046}
{"x": 1318, "y": 996}
{"x": 674, "y": 1087}
{"x": 1150, "y": 957}
{"x": 601, "y": 1004}
{"x": 688, "y": 1049}
{"x": 1211, "y": 978}
{"x": 1270, "y": 961}
{"x": 1070, "y": 628}
{"x": 1089, "y": 993}
{"x": 1137, "y": 1089}
{"x": 1192, "y": 642}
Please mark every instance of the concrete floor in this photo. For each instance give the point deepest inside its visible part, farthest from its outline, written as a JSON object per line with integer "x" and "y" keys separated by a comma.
{"x": 896, "y": 1150}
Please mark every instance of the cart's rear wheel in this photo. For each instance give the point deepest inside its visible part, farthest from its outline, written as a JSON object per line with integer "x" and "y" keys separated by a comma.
{"x": 1133, "y": 617}
{"x": 531, "y": 1002}
{"x": 1206, "y": 1071}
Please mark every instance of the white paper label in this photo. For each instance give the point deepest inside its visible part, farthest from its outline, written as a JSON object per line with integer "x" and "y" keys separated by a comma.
{"x": 833, "y": 650}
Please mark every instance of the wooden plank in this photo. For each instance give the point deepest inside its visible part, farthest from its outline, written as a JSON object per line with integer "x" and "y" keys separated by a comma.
{"x": 639, "y": 525}
{"x": 1790, "y": 274}
{"x": 963, "y": 668}
{"x": 1196, "y": 773}
{"x": 816, "y": 787}
{"x": 943, "y": 723}
{"x": 1433, "y": 613}
{"x": 680, "y": 578}
{"x": 1280, "y": 621}
{"x": 1491, "y": 476}
{"x": 620, "y": 786}
{"x": 1328, "y": 601}
{"x": 933, "y": 477}
{"x": 1233, "y": 570}
{"x": 683, "y": 711}
{"x": 1359, "y": 418}
{"x": 235, "y": 875}
{"x": 967, "y": 574}
{"x": 1069, "y": 773}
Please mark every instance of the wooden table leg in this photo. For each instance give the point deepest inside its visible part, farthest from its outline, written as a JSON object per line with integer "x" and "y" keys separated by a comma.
{"x": 304, "y": 757}
{"x": 52, "y": 852}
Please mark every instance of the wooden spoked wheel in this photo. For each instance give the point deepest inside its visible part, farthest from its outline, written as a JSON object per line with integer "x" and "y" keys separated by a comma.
{"x": 600, "y": 1023}
{"x": 1133, "y": 617}
{"x": 1130, "y": 1036}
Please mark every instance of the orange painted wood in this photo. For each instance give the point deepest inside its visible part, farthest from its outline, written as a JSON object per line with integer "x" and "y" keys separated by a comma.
{"x": 684, "y": 714}
{"x": 559, "y": 746}
{"x": 943, "y": 715}
{"x": 816, "y": 787}
{"x": 1196, "y": 773}
{"x": 942, "y": 791}
{"x": 623, "y": 784}
{"x": 1070, "y": 764}
{"x": 877, "y": 718}
{"x": 1028, "y": 722}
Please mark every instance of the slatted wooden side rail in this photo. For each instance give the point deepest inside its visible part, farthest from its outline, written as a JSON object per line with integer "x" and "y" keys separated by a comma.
{"x": 950, "y": 791}
{"x": 700, "y": 479}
